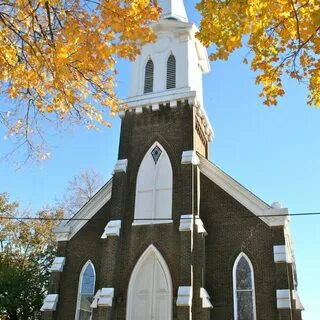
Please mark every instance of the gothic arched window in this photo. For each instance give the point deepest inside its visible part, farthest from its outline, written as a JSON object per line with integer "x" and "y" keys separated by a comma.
{"x": 87, "y": 281}
{"x": 148, "y": 77}
{"x": 171, "y": 72}
{"x": 243, "y": 289}
{"x": 150, "y": 288}
{"x": 154, "y": 187}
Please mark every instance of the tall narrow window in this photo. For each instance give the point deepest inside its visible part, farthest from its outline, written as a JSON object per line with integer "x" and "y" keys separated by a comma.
{"x": 243, "y": 289}
{"x": 154, "y": 187}
{"x": 85, "y": 292}
{"x": 171, "y": 72}
{"x": 148, "y": 77}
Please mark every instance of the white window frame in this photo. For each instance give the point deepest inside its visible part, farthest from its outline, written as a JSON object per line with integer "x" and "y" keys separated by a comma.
{"x": 152, "y": 220}
{"x": 234, "y": 277}
{"x": 89, "y": 262}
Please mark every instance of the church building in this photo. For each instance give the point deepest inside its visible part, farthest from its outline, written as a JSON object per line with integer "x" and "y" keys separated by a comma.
{"x": 171, "y": 236}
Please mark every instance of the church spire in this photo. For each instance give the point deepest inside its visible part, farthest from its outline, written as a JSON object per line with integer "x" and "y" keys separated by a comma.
{"x": 173, "y": 9}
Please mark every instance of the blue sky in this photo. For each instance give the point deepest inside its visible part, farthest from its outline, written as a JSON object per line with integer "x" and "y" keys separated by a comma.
{"x": 274, "y": 152}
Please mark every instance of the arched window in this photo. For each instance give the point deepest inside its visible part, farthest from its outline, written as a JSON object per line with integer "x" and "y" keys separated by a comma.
{"x": 87, "y": 281}
{"x": 150, "y": 288}
{"x": 148, "y": 77}
{"x": 243, "y": 289}
{"x": 154, "y": 187}
{"x": 171, "y": 72}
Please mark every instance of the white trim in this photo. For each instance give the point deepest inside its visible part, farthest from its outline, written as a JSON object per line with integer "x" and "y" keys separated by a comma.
{"x": 281, "y": 254}
{"x": 103, "y": 298}
{"x": 283, "y": 299}
{"x": 106, "y": 297}
{"x": 178, "y": 94}
{"x": 112, "y": 229}
{"x": 150, "y": 221}
{"x": 67, "y": 230}
{"x": 184, "y": 296}
{"x": 204, "y": 295}
{"x": 190, "y": 157}
{"x": 155, "y": 107}
{"x": 172, "y": 96}
{"x": 186, "y": 223}
{"x": 121, "y": 166}
{"x": 299, "y": 305}
{"x": 50, "y": 302}
{"x": 234, "y": 281}
{"x": 243, "y": 195}
{"x": 94, "y": 303}
{"x": 139, "y": 110}
{"x": 289, "y": 241}
{"x": 58, "y": 264}
{"x": 150, "y": 249}
{"x": 80, "y": 285}
{"x": 173, "y": 104}
{"x": 200, "y": 226}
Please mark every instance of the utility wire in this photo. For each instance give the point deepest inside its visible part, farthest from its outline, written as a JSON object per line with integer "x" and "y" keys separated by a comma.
{"x": 160, "y": 219}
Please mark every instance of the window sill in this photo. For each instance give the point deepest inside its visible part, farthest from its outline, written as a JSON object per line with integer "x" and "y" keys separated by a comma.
{"x": 151, "y": 222}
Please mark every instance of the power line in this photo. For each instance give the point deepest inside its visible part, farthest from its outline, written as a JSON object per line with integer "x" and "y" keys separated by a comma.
{"x": 303, "y": 214}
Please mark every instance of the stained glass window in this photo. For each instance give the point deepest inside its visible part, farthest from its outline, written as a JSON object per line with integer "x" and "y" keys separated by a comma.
{"x": 156, "y": 153}
{"x": 86, "y": 292}
{"x": 243, "y": 289}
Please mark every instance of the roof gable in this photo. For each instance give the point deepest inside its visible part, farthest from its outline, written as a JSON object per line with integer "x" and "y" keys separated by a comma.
{"x": 271, "y": 216}
{"x": 66, "y": 230}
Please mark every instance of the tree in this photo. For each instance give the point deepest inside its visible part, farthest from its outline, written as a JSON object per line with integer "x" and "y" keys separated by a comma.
{"x": 58, "y": 61}
{"x": 27, "y": 249}
{"x": 58, "y": 57}
{"x": 81, "y": 188}
{"x": 283, "y": 37}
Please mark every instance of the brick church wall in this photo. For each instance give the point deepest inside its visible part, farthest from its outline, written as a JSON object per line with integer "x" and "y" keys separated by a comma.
{"x": 230, "y": 232}
{"x": 233, "y": 229}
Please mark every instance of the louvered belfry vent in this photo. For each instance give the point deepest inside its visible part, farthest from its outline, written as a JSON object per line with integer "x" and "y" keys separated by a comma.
{"x": 148, "y": 78}
{"x": 171, "y": 72}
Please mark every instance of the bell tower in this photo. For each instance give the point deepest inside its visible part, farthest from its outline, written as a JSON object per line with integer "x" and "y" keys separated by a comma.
{"x": 169, "y": 72}
{"x": 164, "y": 131}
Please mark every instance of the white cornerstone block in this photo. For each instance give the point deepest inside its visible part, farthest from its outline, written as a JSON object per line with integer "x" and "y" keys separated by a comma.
{"x": 281, "y": 254}
{"x": 112, "y": 229}
{"x": 58, "y": 264}
{"x": 283, "y": 299}
{"x": 121, "y": 166}
{"x": 50, "y": 302}
{"x": 184, "y": 296}
{"x": 190, "y": 157}
{"x": 106, "y": 297}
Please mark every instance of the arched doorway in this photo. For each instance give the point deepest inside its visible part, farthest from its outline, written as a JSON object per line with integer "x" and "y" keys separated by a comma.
{"x": 150, "y": 288}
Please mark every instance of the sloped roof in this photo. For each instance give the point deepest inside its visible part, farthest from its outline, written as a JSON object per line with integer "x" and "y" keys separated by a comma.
{"x": 66, "y": 230}
{"x": 271, "y": 216}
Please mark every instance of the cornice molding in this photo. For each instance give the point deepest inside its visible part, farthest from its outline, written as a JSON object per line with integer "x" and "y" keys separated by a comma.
{"x": 153, "y": 101}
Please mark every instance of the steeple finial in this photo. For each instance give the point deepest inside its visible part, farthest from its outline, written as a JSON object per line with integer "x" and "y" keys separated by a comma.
{"x": 173, "y": 9}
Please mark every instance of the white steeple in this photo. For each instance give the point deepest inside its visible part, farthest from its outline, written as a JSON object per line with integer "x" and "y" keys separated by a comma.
{"x": 173, "y": 9}
{"x": 171, "y": 69}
